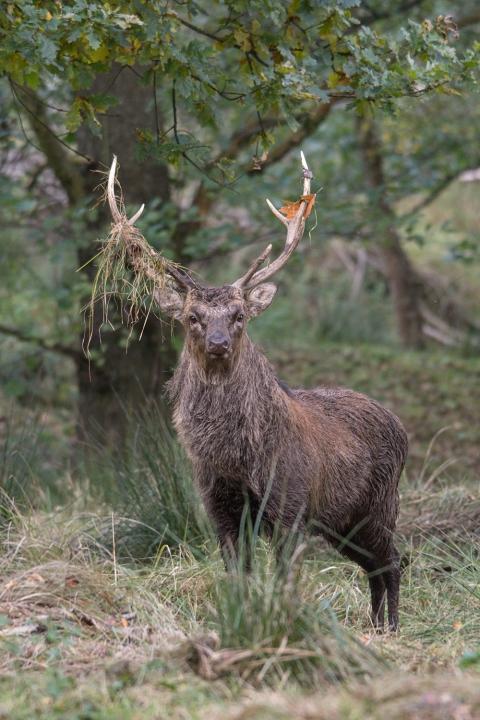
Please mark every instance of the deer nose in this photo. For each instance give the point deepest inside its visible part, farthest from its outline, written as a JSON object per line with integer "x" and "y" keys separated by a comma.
{"x": 218, "y": 343}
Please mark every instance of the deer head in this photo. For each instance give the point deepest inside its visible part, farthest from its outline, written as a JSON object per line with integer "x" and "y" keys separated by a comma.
{"x": 215, "y": 318}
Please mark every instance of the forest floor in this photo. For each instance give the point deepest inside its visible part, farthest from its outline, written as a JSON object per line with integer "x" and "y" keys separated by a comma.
{"x": 86, "y": 635}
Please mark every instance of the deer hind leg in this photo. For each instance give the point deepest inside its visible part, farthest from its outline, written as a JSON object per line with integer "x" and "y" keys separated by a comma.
{"x": 386, "y": 563}
{"x": 392, "y": 582}
{"x": 377, "y": 593}
{"x": 387, "y": 567}
{"x": 368, "y": 562}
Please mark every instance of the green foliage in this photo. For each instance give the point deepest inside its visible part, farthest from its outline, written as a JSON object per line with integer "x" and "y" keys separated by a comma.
{"x": 268, "y": 57}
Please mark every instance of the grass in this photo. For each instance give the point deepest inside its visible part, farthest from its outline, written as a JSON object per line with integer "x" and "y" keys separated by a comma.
{"x": 278, "y": 631}
{"x": 86, "y": 635}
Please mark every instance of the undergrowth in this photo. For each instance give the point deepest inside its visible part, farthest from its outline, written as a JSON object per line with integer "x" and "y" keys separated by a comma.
{"x": 87, "y": 631}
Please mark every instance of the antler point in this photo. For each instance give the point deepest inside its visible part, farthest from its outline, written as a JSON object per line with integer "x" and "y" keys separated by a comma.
{"x": 135, "y": 217}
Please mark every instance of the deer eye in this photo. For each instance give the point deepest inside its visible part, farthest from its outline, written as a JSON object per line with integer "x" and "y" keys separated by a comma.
{"x": 193, "y": 319}
{"x": 239, "y": 317}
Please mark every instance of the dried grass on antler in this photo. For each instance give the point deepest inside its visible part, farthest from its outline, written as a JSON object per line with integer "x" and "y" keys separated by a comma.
{"x": 129, "y": 270}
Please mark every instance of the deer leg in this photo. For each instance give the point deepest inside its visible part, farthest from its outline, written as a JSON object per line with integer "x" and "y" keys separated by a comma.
{"x": 226, "y": 506}
{"x": 392, "y": 582}
{"x": 387, "y": 562}
{"x": 375, "y": 580}
{"x": 377, "y": 594}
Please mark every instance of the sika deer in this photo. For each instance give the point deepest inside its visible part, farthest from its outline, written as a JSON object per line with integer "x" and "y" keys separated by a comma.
{"x": 326, "y": 459}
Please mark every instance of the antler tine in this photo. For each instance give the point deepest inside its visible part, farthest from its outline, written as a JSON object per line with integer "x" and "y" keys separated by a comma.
{"x": 180, "y": 275}
{"x": 243, "y": 281}
{"x": 112, "y": 200}
{"x": 135, "y": 217}
{"x": 277, "y": 213}
{"x": 117, "y": 214}
{"x": 295, "y": 227}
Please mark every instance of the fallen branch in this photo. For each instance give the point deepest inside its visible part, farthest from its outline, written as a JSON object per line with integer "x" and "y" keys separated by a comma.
{"x": 434, "y": 327}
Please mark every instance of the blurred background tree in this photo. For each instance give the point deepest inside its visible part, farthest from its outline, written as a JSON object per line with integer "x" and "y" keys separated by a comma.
{"x": 205, "y": 103}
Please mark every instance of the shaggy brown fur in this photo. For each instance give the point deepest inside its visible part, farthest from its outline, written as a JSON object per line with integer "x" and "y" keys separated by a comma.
{"x": 328, "y": 459}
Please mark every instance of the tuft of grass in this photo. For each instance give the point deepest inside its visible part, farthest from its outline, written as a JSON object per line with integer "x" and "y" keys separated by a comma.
{"x": 270, "y": 630}
{"x": 115, "y": 283}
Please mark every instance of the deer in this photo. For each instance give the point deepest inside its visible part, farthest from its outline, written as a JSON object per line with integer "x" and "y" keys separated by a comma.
{"x": 326, "y": 461}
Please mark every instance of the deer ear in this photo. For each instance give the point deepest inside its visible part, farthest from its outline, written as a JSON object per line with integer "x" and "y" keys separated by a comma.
{"x": 170, "y": 301}
{"x": 260, "y": 298}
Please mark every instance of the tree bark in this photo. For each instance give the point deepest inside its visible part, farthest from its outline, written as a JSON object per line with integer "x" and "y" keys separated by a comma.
{"x": 404, "y": 285}
{"x": 111, "y": 391}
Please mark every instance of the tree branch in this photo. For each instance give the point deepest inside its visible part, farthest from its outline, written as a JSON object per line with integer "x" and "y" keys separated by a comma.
{"x": 203, "y": 201}
{"x": 434, "y": 193}
{"x": 467, "y": 20}
{"x": 52, "y": 147}
{"x": 309, "y": 126}
{"x": 241, "y": 138}
{"x": 195, "y": 28}
{"x": 41, "y": 343}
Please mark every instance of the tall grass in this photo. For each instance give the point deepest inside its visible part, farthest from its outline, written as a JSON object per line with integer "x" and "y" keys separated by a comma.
{"x": 150, "y": 489}
{"x": 27, "y": 477}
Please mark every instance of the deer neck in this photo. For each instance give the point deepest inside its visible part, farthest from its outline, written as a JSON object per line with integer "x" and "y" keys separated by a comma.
{"x": 248, "y": 383}
{"x": 231, "y": 424}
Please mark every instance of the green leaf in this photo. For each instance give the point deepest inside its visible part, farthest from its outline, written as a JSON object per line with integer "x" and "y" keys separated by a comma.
{"x": 47, "y": 48}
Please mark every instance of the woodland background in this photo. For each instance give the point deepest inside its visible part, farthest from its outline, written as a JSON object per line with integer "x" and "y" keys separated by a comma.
{"x": 108, "y": 560}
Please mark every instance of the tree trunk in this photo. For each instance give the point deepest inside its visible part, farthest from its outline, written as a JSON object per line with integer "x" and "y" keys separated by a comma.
{"x": 116, "y": 383}
{"x": 114, "y": 389}
{"x": 402, "y": 279}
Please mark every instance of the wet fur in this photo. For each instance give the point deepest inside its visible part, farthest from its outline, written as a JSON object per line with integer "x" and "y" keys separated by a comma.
{"x": 330, "y": 459}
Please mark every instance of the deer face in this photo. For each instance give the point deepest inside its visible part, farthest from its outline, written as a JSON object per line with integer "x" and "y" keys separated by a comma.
{"x": 215, "y": 319}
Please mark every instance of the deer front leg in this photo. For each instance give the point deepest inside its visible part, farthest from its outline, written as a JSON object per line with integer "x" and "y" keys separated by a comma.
{"x": 226, "y": 504}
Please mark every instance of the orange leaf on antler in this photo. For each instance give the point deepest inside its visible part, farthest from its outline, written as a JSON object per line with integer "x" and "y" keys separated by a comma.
{"x": 310, "y": 200}
{"x": 290, "y": 209}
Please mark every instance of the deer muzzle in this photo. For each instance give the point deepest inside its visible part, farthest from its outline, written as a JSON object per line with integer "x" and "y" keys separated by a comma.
{"x": 218, "y": 343}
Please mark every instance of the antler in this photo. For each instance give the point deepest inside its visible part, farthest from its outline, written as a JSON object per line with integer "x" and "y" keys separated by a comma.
{"x": 295, "y": 228}
{"x": 131, "y": 239}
